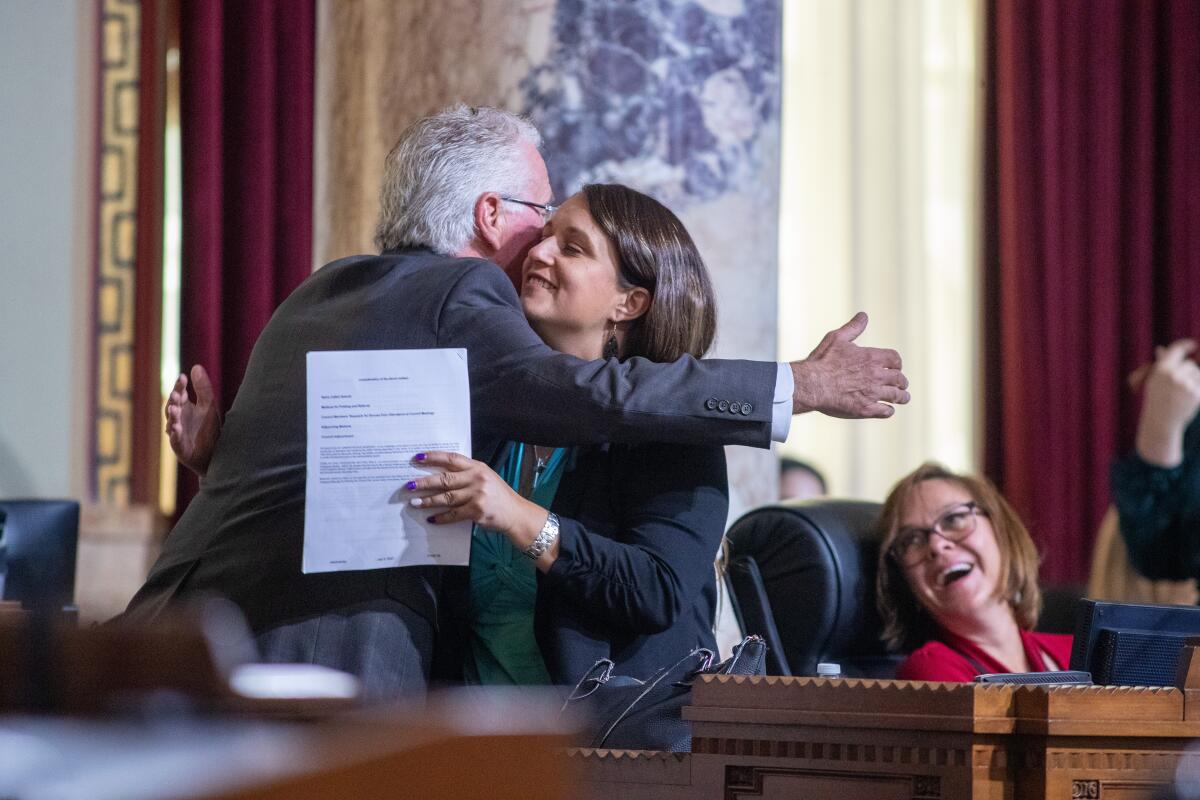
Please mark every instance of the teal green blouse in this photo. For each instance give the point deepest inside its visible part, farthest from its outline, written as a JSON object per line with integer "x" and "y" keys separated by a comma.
{"x": 503, "y": 649}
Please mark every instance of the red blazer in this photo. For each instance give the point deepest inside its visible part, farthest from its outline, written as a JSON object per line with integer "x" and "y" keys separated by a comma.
{"x": 949, "y": 657}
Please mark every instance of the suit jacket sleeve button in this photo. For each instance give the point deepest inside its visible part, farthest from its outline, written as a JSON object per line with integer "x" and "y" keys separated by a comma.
{"x": 746, "y": 409}
{"x": 723, "y": 405}
{"x": 735, "y": 407}
{"x": 711, "y": 404}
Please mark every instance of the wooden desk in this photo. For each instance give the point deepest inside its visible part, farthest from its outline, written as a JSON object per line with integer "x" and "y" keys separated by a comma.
{"x": 438, "y": 753}
{"x": 126, "y": 712}
{"x": 848, "y": 739}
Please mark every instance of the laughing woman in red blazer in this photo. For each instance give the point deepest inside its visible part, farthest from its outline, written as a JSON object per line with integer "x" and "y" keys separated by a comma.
{"x": 957, "y": 581}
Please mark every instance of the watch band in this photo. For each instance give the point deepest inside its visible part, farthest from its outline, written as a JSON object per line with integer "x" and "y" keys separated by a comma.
{"x": 544, "y": 539}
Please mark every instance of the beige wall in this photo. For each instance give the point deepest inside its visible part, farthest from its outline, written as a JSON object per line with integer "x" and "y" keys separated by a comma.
{"x": 46, "y": 85}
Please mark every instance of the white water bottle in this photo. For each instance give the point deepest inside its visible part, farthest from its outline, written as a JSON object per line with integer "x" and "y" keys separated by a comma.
{"x": 829, "y": 670}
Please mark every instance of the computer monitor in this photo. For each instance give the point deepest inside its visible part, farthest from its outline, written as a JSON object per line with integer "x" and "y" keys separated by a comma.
{"x": 38, "y": 540}
{"x": 1053, "y": 678}
{"x": 1130, "y": 644}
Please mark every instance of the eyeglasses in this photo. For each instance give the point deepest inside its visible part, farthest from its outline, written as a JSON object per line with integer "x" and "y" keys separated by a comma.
{"x": 911, "y": 544}
{"x": 547, "y": 210}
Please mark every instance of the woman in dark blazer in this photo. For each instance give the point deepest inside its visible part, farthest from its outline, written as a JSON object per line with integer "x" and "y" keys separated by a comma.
{"x": 607, "y": 551}
{"x": 634, "y": 580}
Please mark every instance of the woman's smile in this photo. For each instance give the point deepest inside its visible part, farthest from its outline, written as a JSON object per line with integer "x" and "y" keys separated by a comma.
{"x": 571, "y": 292}
{"x": 954, "y": 573}
{"x": 954, "y": 577}
{"x": 537, "y": 281}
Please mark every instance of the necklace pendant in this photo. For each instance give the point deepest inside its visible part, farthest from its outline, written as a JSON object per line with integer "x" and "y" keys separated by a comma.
{"x": 539, "y": 466}
{"x": 538, "y": 469}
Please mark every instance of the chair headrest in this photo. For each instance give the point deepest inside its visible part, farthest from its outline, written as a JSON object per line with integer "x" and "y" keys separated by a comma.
{"x": 818, "y": 559}
{"x": 37, "y": 551}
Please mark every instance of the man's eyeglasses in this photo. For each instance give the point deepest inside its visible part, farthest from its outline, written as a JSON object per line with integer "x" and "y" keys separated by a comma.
{"x": 546, "y": 209}
{"x": 911, "y": 544}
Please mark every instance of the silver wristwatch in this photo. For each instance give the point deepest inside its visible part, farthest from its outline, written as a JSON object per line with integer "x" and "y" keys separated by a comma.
{"x": 544, "y": 539}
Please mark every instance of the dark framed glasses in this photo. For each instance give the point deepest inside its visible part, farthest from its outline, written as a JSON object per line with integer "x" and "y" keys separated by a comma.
{"x": 911, "y": 544}
{"x": 546, "y": 209}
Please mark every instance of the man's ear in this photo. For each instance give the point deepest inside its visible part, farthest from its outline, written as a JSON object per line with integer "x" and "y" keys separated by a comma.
{"x": 489, "y": 227}
{"x": 635, "y": 303}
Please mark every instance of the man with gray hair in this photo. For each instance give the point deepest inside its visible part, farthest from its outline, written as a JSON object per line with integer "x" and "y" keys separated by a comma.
{"x": 443, "y": 165}
{"x": 464, "y": 190}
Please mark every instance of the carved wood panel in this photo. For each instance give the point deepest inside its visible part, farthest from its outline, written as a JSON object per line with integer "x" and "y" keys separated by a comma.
{"x": 769, "y": 782}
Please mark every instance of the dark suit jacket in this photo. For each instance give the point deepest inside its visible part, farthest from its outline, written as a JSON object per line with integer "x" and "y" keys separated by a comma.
{"x": 640, "y": 527}
{"x": 242, "y": 536}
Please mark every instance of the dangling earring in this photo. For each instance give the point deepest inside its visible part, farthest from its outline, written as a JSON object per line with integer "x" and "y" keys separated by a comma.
{"x": 610, "y": 344}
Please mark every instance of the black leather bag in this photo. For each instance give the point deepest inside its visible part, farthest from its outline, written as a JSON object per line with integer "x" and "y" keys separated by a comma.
{"x": 631, "y": 714}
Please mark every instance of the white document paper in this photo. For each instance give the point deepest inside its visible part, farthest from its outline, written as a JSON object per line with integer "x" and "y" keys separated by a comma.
{"x": 369, "y": 413}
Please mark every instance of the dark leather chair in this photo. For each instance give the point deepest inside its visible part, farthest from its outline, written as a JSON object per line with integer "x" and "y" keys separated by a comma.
{"x": 803, "y": 577}
{"x": 38, "y": 541}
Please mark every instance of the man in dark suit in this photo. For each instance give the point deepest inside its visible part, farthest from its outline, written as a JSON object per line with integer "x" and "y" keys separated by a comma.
{"x": 464, "y": 190}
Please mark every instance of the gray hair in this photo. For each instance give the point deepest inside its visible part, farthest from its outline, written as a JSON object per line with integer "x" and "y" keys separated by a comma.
{"x": 440, "y": 167}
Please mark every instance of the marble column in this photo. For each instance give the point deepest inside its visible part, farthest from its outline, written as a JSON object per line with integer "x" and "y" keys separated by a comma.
{"x": 677, "y": 99}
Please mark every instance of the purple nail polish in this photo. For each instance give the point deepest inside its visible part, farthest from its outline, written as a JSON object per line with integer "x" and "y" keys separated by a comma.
{"x": 411, "y": 486}
{"x": 420, "y": 456}
{"x": 429, "y": 519}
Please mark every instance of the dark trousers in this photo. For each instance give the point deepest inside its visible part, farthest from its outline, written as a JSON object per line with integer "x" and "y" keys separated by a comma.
{"x": 383, "y": 642}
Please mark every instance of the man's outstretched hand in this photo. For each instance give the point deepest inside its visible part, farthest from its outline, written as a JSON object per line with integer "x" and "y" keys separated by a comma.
{"x": 842, "y": 379}
{"x": 193, "y": 428}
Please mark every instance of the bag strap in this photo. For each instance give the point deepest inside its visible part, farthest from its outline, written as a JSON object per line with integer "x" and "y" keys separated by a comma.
{"x": 975, "y": 665}
{"x": 706, "y": 656}
{"x": 598, "y": 675}
{"x": 745, "y": 659}
{"x": 706, "y": 667}
{"x": 739, "y": 658}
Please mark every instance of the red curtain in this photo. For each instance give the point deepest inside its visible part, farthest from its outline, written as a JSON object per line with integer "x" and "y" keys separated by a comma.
{"x": 246, "y": 100}
{"x": 1092, "y": 243}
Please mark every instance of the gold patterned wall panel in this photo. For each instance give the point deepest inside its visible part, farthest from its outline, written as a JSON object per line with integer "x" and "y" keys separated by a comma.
{"x": 117, "y": 123}
{"x": 382, "y": 65}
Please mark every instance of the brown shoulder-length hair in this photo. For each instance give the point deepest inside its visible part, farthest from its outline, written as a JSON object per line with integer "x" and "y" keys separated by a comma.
{"x": 654, "y": 251}
{"x": 906, "y": 624}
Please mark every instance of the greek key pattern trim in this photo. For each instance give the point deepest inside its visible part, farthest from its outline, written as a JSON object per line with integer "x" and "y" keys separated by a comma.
{"x": 116, "y": 247}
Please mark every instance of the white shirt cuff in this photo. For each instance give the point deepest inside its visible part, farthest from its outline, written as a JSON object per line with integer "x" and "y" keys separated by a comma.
{"x": 781, "y": 407}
